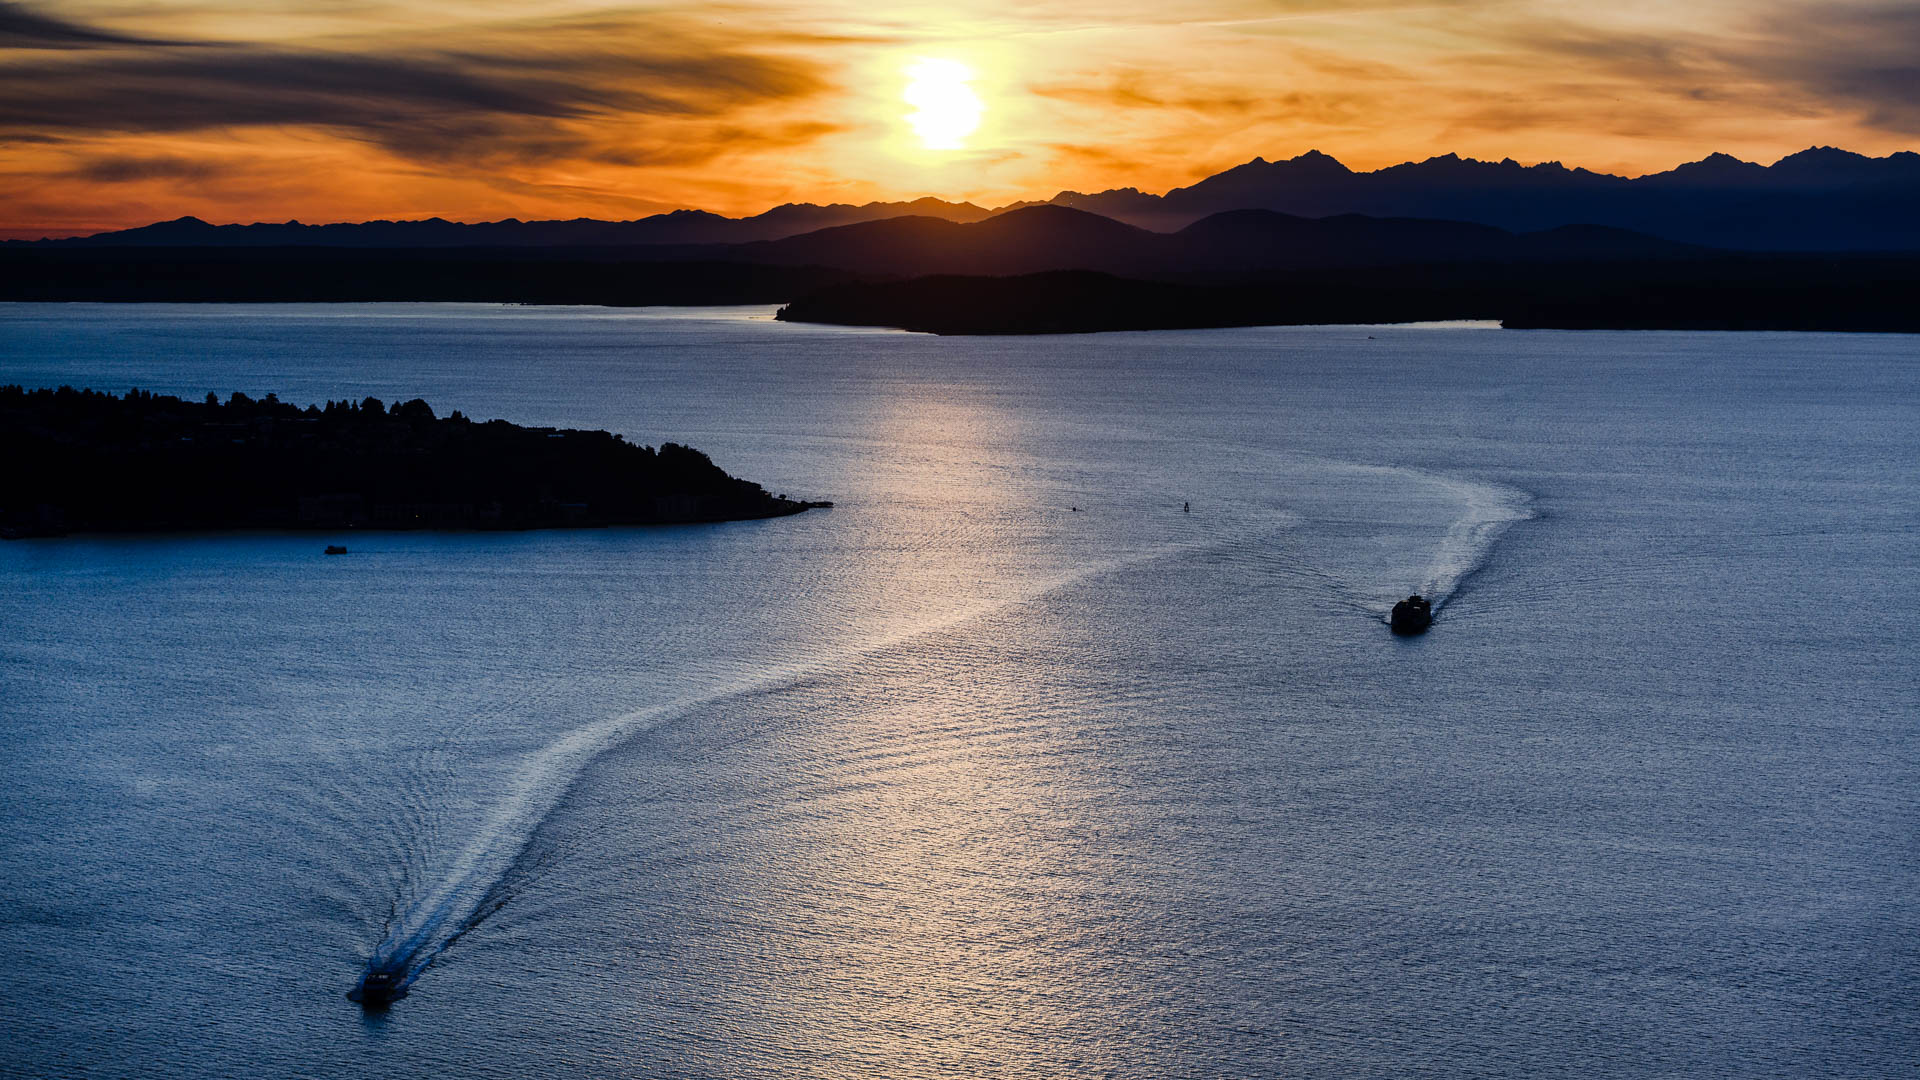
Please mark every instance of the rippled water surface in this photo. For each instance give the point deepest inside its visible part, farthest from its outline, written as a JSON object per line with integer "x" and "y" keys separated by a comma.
{"x": 1006, "y": 765}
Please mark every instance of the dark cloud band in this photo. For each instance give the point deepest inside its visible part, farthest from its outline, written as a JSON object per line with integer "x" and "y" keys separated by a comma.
{"x": 542, "y": 91}
{"x": 21, "y": 28}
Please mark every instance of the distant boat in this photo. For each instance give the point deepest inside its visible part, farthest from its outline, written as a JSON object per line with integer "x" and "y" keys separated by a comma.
{"x": 336, "y": 549}
{"x": 378, "y": 989}
{"x": 1412, "y": 615}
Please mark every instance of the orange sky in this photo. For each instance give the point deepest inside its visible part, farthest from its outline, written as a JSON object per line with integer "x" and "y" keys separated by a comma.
{"x": 122, "y": 112}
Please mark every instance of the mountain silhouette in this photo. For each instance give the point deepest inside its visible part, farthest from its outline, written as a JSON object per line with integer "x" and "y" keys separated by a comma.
{"x": 677, "y": 227}
{"x": 1820, "y": 199}
{"x": 1819, "y": 240}
{"x": 1043, "y": 238}
{"x": 1016, "y": 242}
{"x": 1030, "y": 240}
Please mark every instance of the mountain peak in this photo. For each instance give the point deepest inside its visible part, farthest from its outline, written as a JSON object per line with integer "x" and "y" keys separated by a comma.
{"x": 1319, "y": 162}
{"x": 1058, "y": 215}
{"x": 1717, "y": 162}
{"x": 1824, "y": 153}
{"x": 1809, "y": 200}
{"x": 1819, "y": 166}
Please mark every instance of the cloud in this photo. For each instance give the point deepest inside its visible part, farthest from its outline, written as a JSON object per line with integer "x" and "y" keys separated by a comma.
{"x": 1868, "y": 57}
{"x": 1796, "y": 59}
{"x": 508, "y": 94}
{"x": 713, "y": 142}
{"x": 230, "y": 86}
{"x": 21, "y": 28}
{"x": 1136, "y": 90}
{"x": 332, "y": 108}
{"x": 1099, "y": 157}
{"x": 127, "y": 168}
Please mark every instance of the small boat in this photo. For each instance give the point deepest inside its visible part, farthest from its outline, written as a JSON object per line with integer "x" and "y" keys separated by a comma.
{"x": 378, "y": 989}
{"x": 1412, "y": 615}
{"x": 336, "y": 549}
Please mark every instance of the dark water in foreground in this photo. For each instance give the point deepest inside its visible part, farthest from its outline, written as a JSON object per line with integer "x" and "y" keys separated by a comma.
{"x": 955, "y": 780}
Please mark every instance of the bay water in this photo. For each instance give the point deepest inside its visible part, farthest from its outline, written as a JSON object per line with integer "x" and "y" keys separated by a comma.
{"x": 1070, "y": 742}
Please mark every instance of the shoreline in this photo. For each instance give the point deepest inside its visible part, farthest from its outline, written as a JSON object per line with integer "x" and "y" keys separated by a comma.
{"x": 1849, "y": 295}
{"x": 303, "y": 531}
{"x": 147, "y": 463}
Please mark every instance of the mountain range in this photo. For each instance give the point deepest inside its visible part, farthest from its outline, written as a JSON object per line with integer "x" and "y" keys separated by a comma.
{"x": 1032, "y": 239}
{"x": 677, "y": 227}
{"x": 1046, "y": 268}
{"x": 1822, "y": 240}
{"x": 1821, "y": 199}
{"x": 1041, "y": 238}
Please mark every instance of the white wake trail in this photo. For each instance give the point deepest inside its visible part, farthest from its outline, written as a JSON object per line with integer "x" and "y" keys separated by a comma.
{"x": 1490, "y": 510}
{"x": 1387, "y": 517}
{"x": 451, "y": 906}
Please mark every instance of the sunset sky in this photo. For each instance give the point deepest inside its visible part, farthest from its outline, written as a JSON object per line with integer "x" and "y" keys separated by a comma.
{"x": 121, "y": 112}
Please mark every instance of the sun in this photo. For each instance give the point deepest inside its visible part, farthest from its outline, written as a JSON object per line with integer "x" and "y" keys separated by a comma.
{"x": 948, "y": 109}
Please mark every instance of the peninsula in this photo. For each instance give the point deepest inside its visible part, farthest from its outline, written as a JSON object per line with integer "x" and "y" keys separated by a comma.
{"x": 143, "y": 462}
{"x": 1734, "y": 292}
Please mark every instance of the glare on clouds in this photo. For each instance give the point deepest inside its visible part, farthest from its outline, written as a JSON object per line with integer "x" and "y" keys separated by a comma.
{"x": 114, "y": 112}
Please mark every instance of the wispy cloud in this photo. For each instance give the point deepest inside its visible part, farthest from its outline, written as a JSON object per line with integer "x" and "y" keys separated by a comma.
{"x": 23, "y": 28}
{"x": 574, "y": 91}
{"x": 1793, "y": 58}
{"x": 1865, "y": 56}
{"x": 474, "y": 108}
{"x": 1135, "y": 89}
{"x": 127, "y": 168}
{"x": 413, "y": 105}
